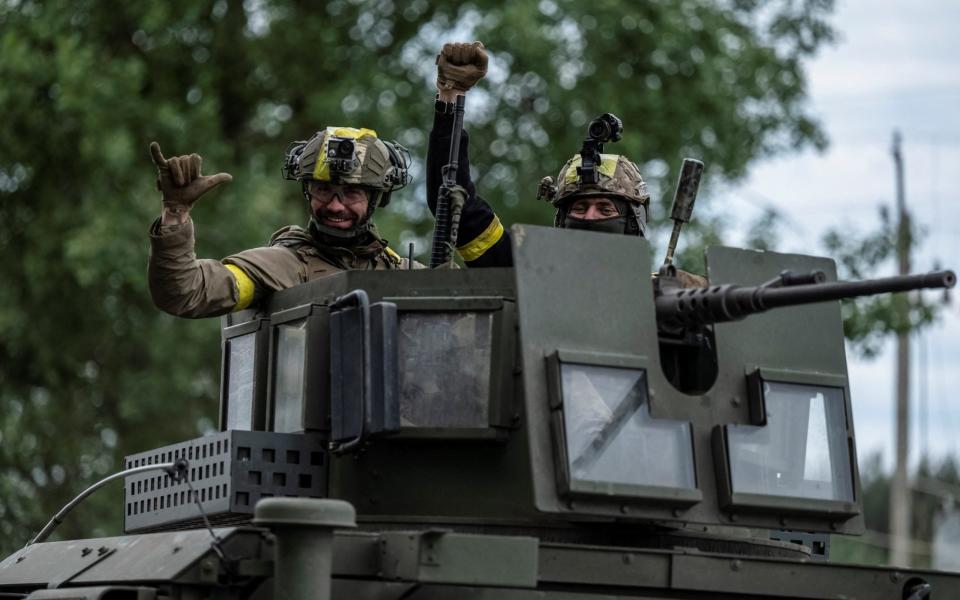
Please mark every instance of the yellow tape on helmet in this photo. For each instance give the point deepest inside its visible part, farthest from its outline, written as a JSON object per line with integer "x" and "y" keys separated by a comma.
{"x": 350, "y": 132}
{"x": 608, "y": 166}
{"x": 321, "y": 172}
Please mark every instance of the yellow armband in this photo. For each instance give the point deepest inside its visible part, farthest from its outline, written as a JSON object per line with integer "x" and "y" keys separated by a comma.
{"x": 245, "y": 287}
{"x": 475, "y": 248}
{"x": 393, "y": 254}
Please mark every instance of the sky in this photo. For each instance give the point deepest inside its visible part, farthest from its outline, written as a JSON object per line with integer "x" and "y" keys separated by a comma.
{"x": 894, "y": 66}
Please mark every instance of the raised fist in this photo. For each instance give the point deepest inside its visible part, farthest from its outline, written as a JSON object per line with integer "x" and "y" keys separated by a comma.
{"x": 460, "y": 66}
{"x": 180, "y": 181}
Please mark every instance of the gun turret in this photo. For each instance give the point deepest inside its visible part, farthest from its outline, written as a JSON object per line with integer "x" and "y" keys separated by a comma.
{"x": 679, "y": 309}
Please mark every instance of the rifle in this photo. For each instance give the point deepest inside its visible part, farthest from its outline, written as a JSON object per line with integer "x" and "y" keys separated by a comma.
{"x": 447, "y": 216}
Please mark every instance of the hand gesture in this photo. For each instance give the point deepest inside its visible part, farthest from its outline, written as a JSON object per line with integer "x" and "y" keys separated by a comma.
{"x": 460, "y": 66}
{"x": 181, "y": 183}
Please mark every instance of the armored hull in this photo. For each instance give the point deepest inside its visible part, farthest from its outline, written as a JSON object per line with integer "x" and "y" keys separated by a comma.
{"x": 520, "y": 432}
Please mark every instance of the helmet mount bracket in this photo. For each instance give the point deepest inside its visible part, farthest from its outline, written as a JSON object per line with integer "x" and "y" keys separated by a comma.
{"x": 589, "y": 160}
{"x": 605, "y": 128}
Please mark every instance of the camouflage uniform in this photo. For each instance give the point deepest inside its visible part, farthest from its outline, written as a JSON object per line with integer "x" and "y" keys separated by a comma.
{"x": 487, "y": 243}
{"x": 185, "y": 286}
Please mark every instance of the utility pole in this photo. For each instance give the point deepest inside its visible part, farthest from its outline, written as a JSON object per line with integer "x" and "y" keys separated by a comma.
{"x": 900, "y": 491}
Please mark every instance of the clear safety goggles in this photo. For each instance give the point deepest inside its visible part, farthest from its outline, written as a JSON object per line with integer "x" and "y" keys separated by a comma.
{"x": 324, "y": 193}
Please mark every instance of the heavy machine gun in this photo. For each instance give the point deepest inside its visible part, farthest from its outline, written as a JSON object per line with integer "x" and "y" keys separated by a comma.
{"x": 686, "y": 315}
{"x": 683, "y": 308}
{"x": 692, "y": 308}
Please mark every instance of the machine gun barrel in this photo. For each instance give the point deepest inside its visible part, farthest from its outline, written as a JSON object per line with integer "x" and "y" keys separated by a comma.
{"x": 686, "y": 307}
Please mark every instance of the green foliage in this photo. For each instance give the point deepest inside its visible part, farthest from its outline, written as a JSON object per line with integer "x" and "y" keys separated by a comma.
{"x": 762, "y": 233}
{"x": 868, "y": 321}
{"x": 91, "y": 371}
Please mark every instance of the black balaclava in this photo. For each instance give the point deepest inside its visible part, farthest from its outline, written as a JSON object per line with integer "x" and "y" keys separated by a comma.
{"x": 627, "y": 222}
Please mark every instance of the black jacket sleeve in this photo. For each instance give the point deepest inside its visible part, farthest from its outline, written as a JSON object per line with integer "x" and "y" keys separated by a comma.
{"x": 482, "y": 240}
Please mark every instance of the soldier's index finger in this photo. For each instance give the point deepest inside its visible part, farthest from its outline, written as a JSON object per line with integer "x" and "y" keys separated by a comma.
{"x": 157, "y": 156}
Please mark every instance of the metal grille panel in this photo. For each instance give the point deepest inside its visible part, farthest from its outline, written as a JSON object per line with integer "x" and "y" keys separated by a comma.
{"x": 230, "y": 472}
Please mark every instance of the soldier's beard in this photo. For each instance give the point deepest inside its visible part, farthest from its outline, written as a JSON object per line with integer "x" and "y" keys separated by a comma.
{"x": 340, "y": 219}
{"x": 342, "y": 226}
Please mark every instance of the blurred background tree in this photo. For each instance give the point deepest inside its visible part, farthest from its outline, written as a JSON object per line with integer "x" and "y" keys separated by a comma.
{"x": 935, "y": 489}
{"x": 91, "y": 371}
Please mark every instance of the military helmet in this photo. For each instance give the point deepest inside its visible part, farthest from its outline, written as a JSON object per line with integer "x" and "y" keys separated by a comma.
{"x": 618, "y": 178}
{"x": 348, "y": 155}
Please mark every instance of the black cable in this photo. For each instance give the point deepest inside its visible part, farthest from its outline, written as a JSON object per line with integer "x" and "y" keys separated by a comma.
{"x": 217, "y": 543}
{"x": 58, "y": 518}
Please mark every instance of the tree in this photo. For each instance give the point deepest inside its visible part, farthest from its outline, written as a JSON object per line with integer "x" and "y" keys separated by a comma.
{"x": 868, "y": 321}
{"x": 92, "y": 372}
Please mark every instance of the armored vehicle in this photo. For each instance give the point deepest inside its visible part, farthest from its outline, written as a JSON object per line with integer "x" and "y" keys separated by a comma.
{"x": 566, "y": 428}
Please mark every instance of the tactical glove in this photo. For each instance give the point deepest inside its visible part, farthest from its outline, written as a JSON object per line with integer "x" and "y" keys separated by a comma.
{"x": 460, "y": 66}
{"x": 180, "y": 181}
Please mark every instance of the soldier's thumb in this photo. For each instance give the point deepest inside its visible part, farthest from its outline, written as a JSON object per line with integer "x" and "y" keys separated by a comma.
{"x": 208, "y": 182}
